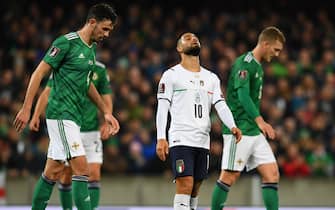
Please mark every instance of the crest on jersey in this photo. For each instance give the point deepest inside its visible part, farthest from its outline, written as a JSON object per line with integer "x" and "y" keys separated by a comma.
{"x": 54, "y": 51}
{"x": 242, "y": 74}
{"x": 161, "y": 88}
{"x": 202, "y": 83}
{"x": 95, "y": 76}
{"x": 180, "y": 167}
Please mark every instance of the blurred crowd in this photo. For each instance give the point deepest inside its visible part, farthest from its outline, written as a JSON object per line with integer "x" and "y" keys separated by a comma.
{"x": 298, "y": 93}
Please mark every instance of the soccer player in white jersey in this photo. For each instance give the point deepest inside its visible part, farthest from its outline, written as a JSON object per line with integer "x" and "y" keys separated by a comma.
{"x": 188, "y": 91}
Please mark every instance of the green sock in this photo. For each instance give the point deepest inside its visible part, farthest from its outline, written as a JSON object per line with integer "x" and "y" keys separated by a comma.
{"x": 219, "y": 195}
{"x": 65, "y": 195}
{"x": 94, "y": 190}
{"x": 80, "y": 192}
{"x": 42, "y": 193}
{"x": 270, "y": 195}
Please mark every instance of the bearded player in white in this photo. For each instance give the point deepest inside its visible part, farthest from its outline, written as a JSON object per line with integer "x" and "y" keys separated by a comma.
{"x": 188, "y": 91}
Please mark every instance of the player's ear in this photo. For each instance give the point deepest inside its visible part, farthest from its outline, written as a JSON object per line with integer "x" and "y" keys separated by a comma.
{"x": 92, "y": 21}
{"x": 179, "y": 48}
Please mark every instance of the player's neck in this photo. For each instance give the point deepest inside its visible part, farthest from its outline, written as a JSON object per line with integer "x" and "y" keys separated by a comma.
{"x": 256, "y": 52}
{"x": 191, "y": 63}
{"x": 84, "y": 34}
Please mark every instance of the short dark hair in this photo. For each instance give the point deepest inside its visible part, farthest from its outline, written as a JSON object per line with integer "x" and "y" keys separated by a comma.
{"x": 102, "y": 11}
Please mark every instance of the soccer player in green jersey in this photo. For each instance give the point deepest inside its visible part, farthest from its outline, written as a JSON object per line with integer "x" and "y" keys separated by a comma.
{"x": 244, "y": 93}
{"x": 90, "y": 136}
{"x": 71, "y": 59}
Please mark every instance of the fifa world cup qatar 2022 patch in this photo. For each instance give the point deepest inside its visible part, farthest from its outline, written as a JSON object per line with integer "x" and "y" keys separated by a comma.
{"x": 54, "y": 51}
{"x": 180, "y": 167}
{"x": 161, "y": 88}
{"x": 242, "y": 74}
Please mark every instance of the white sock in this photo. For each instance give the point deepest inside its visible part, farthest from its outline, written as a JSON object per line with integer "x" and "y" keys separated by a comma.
{"x": 194, "y": 203}
{"x": 181, "y": 202}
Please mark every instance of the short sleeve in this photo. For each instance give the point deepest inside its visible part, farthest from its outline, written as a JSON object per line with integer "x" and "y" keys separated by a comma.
{"x": 57, "y": 52}
{"x": 217, "y": 92}
{"x": 165, "y": 86}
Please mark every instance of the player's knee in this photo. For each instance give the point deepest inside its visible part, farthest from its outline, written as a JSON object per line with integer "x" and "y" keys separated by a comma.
{"x": 229, "y": 177}
{"x": 65, "y": 178}
{"x": 184, "y": 185}
{"x": 94, "y": 176}
{"x": 79, "y": 166}
{"x": 272, "y": 176}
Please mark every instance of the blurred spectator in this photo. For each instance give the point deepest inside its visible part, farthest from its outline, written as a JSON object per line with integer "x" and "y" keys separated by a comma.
{"x": 295, "y": 164}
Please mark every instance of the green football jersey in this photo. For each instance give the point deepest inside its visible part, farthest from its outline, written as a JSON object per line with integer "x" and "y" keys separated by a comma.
{"x": 246, "y": 72}
{"x": 72, "y": 61}
{"x": 100, "y": 80}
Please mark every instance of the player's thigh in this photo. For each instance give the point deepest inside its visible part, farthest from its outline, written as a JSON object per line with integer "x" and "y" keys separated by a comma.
{"x": 182, "y": 161}
{"x": 201, "y": 164}
{"x": 261, "y": 153}
{"x": 93, "y": 146}
{"x": 235, "y": 155}
{"x": 65, "y": 141}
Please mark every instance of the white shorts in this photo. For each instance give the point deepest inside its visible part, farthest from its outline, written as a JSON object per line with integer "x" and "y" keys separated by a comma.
{"x": 65, "y": 141}
{"x": 251, "y": 152}
{"x": 93, "y": 146}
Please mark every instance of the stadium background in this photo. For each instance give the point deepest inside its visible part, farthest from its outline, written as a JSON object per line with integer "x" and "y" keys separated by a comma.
{"x": 298, "y": 96}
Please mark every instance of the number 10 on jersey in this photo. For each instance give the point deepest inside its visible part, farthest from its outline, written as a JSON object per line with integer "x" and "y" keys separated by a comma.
{"x": 197, "y": 110}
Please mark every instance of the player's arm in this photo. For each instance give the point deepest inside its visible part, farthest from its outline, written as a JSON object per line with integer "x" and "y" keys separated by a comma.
{"x": 248, "y": 105}
{"x": 104, "y": 88}
{"x": 23, "y": 115}
{"x": 39, "y": 109}
{"x": 162, "y": 148}
{"x": 52, "y": 60}
{"x": 99, "y": 102}
{"x": 164, "y": 95}
{"x": 223, "y": 110}
{"x": 107, "y": 98}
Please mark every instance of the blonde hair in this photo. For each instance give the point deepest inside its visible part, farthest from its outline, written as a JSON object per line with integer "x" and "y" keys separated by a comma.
{"x": 271, "y": 33}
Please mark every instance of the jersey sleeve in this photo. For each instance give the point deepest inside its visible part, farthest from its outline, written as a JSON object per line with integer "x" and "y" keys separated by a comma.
{"x": 165, "y": 86}
{"x": 57, "y": 52}
{"x": 50, "y": 81}
{"x": 217, "y": 92}
{"x": 241, "y": 77}
{"x": 104, "y": 86}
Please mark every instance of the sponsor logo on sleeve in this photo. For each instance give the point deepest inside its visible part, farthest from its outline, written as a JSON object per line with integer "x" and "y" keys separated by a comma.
{"x": 161, "y": 88}
{"x": 54, "y": 51}
{"x": 242, "y": 74}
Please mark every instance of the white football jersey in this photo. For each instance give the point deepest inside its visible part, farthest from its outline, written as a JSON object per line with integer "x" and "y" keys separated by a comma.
{"x": 191, "y": 95}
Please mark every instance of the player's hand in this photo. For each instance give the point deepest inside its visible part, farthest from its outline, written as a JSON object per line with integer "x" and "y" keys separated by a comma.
{"x": 21, "y": 119}
{"x": 237, "y": 133}
{"x": 266, "y": 128}
{"x": 162, "y": 149}
{"x": 34, "y": 124}
{"x": 104, "y": 131}
{"x": 115, "y": 127}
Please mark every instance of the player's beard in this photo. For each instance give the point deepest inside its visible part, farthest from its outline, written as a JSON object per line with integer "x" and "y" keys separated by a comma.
{"x": 193, "y": 51}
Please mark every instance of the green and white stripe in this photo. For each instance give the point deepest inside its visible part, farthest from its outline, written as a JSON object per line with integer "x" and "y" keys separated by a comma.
{"x": 64, "y": 140}
{"x": 232, "y": 152}
{"x": 71, "y": 36}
